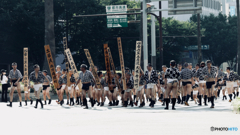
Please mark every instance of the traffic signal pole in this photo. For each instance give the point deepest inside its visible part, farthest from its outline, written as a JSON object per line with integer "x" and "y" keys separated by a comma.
{"x": 144, "y": 27}
{"x": 160, "y": 35}
{"x": 238, "y": 37}
{"x": 153, "y": 42}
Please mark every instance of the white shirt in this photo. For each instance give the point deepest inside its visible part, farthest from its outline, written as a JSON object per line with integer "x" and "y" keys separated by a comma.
{"x": 149, "y": 74}
{"x": 228, "y": 75}
{"x": 4, "y": 80}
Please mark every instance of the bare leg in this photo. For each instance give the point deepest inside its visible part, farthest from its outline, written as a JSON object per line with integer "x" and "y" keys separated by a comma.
{"x": 167, "y": 93}
{"x": 110, "y": 96}
{"x": 74, "y": 93}
{"x": 102, "y": 95}
{"x": 139, "y": 96}
{"x": 44, "y": 95}
{"x": 174, "y": 95}
{"x": 105, "y": 94}
{"x": 25, "y": 96}
{"x": 98, "y": 95}
{"x": 153, "y": 93}
{"x": 61, "y": 94}
{"x": 28, "y": 96}
{"x": 188, "y": 89}
{"x": 130, "y": 96}
{"x": 47, "y": 92}
{"x": 90, "y": 93}
{"x": 11, "y": 93}
{"x": 67, "y": 93}
{"x": 195, "y": 98}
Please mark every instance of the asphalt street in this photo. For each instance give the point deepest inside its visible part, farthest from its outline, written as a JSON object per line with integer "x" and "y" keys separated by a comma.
{"x": 62, "y": 120}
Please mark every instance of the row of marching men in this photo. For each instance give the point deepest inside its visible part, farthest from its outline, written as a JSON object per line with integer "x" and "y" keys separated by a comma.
{"x": 171, "y": 84}
{"x": 40, "y": 79}
{"x": 203, "y": 82}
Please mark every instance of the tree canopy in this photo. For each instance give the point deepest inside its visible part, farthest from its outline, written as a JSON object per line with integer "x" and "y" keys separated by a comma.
{"x": 22, "y": 25}
{"x": 221, "y": 35}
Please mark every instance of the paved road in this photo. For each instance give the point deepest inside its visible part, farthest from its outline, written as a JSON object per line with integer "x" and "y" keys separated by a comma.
{"x": 65, "y": 120}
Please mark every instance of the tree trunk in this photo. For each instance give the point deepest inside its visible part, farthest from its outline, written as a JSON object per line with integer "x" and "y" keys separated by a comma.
{"x": 49, "y": 31}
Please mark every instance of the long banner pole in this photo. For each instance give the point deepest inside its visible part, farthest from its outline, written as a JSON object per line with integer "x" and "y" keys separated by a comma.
{"x": 107, "y": 63}
{"x": 51, "y": 65}
{"x": 73, "y": 67}
{"x": 113, "y": 68}
{"x": 137, "y": 64}
{"x": 93, "y": 69}
{"x": 25, "y": 67}
{"x": 66, "y": 60}
{"x": 122, "y": 62}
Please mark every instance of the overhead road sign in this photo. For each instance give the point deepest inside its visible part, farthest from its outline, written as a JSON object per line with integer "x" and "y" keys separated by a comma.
{"x": 195, "y": 47}
{"x": 117, "y": 20}
{"x": 177, "y": 9}
{"x": 154, "y": 0}
{"x": 184, "y": 4}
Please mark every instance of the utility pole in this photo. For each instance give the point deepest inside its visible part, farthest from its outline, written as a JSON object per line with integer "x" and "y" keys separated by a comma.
{"x": 238, "y": 35}
{"x": 141, "y": 35}
{"x": 160, "y": 35}
{"x": 144, "y": 27}
{"x": 199, "y": 39}
{"x": 153, "y": 42}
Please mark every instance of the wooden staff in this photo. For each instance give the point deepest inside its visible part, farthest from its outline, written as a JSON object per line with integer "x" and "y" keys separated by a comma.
{"x": 108, "y": 66}
{"x": 73, "y": 67}
{"x": 113, "y": 68}
{"x": 137, "y": 64}
{"x": 98, "y": 84}
{"x": 51, "y": 65}
{"x": 66, "y": 60}
{"x": 25, "y": 67}
{"x": 122, "y": 62}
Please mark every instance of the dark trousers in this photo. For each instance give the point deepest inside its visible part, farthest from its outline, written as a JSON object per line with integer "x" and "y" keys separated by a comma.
{"x": 4, "y": 92}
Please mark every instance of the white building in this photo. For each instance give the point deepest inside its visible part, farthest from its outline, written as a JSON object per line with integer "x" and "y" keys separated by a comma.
{"x": 227, "y": 7}
{"x": 230, "y": 7}
{"x": 209, "y": 7}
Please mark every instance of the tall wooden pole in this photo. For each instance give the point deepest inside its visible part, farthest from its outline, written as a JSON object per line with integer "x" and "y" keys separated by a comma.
{"x": 25, "y": 68}
{"x": 51, "y": 65}
{"x": 65, "y": 47}
{"x": 113, "y": 68}
{"x": 122, "y": 62}
{"x": 108, "y": 69}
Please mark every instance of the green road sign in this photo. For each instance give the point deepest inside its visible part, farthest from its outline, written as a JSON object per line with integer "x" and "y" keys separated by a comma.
{"x": 118, "y": 20}
{"x": 195, "y": 47}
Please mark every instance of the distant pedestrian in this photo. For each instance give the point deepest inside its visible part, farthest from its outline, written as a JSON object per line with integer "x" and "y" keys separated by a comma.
{"x": 4, "y": 81}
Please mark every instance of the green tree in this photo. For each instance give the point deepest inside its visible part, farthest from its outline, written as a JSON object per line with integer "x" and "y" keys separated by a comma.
{"x": 172, "y": 47}
{"x": 221, "y": 35}
{"x": 92, "y": 32}
{"x": 22, "y": 25}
